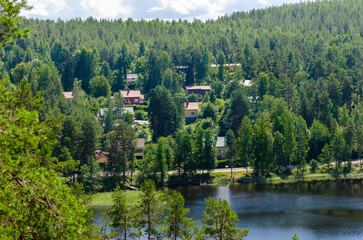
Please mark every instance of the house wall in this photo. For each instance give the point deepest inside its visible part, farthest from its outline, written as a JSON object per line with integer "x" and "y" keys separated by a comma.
{"x": 221, "y": 152}
{"x": 191, "y": 113}
{"x": 132, "y": 100}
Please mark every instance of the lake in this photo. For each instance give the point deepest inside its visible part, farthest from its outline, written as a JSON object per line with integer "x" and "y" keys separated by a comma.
{"x": 312, "y": 210}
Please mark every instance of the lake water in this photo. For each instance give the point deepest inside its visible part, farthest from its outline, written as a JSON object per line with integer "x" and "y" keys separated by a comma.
{"x": 315, "y": 210}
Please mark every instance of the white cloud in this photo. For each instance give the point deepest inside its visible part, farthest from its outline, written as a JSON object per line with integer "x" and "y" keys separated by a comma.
{"x": 45, "y": 7}
{"x": 207, "y": 8}
{"x": 107, "y": 9}
{"x": 264, "y": 2}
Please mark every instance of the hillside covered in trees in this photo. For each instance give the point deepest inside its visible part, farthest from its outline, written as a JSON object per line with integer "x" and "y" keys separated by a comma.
{"x": 277, "y": 89}
{"x": 304, "y": 101}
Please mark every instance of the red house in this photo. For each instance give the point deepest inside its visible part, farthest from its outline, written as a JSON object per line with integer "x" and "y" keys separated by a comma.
{"x": 132, "y": 97}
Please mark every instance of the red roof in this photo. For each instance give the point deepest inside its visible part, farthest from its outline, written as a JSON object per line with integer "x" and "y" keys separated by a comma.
{"x": 191, "y": 106}
{"x": 130, "y": 93}
{"x": 198, "y": 88}
{"x": 68, "y": 95}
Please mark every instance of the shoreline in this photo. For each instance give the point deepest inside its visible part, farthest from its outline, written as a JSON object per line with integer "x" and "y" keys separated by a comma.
{"x": 104, "y": 199}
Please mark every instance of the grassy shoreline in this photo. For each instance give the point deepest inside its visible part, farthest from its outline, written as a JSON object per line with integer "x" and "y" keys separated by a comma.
{"x": 104, "y": 199}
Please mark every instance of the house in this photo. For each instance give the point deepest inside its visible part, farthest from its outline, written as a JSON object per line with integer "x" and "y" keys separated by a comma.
{"x": 221, "y": 147}
{"x": 140, "y": 122}
{"x": 228, "y": 66}
{"x": 246, "y": 83}
{"x": 200, "y": 91}
{"x": 180, "y": 69}
{"x": 191, "y": 111}
{"x": 128, "y": 110}
{"x": 68, "y": 95}
{"x": 103, "y": 112}
{"x": 102, "y": 158}
{"x": 131, "y": 77}
{"x": 132, "y": 97}
{"x": 140, "y": 147}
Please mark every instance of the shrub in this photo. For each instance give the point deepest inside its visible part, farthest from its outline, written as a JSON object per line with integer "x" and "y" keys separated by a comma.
{"x": 313, "y": 165}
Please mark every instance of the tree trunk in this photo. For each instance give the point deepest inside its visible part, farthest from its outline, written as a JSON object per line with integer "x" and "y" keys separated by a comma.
{"x": 246, "y": 166}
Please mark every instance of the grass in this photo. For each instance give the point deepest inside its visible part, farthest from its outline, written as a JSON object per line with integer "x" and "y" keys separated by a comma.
{"x": 104, "y": 199}
{"x": 309, "y": 177}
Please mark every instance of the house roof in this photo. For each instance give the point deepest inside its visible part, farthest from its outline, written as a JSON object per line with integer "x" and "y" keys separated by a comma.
{"x": 140, "y": 143}
{"x": 198, "y": 88}
{"x": 102, "y": 159}
{"x": 128, "y": 109}
{"x": 141, "y": 122}
{"x": 131, "y": 93}
{"x": 131, "y": 75}
{"x": 221, "y": 142}
{"x": 68, "y": 95}
{"x": 191, "y": 105}
{"x": 227, "y": 65}
{"x": 246, "y": 83}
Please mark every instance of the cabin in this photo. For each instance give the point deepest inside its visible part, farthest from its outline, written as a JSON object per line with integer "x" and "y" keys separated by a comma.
{"x": 102, "y": 157}
{"x": 132, "y": 97}
{"x": 140, "y": 147}
{"x": 200, "y": 91}
{"x": 68, "y": 95}
{"x": 131, "y": 77}
{"x": 103, "y": 112}
{"x": 102, "y": 160}
{"x": 246, "y": 83}
{"x": 221, "y": 147}
{"x": 191, "y": 111}
{"x": 228, "y": 66}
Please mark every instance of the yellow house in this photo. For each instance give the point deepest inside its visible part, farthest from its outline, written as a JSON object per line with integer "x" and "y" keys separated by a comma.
{"x": 191, "y": 111}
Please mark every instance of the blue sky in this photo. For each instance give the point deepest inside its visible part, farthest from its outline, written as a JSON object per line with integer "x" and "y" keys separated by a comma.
{"x": 143, "y": 9}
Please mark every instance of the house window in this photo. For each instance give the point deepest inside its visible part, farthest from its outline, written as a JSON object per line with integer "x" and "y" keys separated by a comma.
{"x": 221, "y": 151}
{"x": 136, "y": 100}
{"x": 126, "y": 101}
{"x": 192, "y": 113}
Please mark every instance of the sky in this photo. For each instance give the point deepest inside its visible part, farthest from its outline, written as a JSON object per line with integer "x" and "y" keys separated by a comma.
{"x": 143, "y": 9}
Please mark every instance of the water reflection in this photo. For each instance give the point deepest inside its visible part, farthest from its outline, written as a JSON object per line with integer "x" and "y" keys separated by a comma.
{"x": 279, "y": 211}
{"x": 313, "y": 210}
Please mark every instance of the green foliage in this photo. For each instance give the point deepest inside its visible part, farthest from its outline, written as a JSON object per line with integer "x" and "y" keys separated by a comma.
{"x": 184, "y": 161}
{"x": 245, "y": 147}
{"x": 193, "y": 98}
{"x": 121, "y": 146}
{"x": 165, "y": 112}
{"x": 219, "y": 220}
{"x": 152, "y": 208}
{"x": 177, "y": 224}
{"x": 99, "y": 86}
{"x": 124, "y": 215}
{"x": 84, "y": 66}
{"x": 9, "y": 20}
{"x": 313, "y": 165}
{"x": 35, "y": 202}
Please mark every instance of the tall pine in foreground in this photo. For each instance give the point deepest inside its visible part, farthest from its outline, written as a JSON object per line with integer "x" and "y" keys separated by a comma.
{"x": 34, "y": 201}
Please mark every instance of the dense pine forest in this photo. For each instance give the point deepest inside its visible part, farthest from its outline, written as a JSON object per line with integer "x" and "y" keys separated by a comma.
{"x": 304, "y": 102}
{"x": 286, "y": 92}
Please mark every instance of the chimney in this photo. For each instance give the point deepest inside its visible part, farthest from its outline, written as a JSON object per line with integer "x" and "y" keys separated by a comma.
{"x": 187, "y": 104}
{"x": 128, "y": 92}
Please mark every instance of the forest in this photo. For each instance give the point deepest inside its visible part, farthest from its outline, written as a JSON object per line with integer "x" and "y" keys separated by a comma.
{"x": 302, "y": 111}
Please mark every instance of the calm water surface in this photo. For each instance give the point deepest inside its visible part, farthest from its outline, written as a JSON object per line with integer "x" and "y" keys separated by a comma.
{"x": 316, "y": 210}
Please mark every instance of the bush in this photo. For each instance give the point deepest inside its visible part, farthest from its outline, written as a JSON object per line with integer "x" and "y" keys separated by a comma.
{"x": 348, "y": 168}
{"x": 314, "y": 166}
